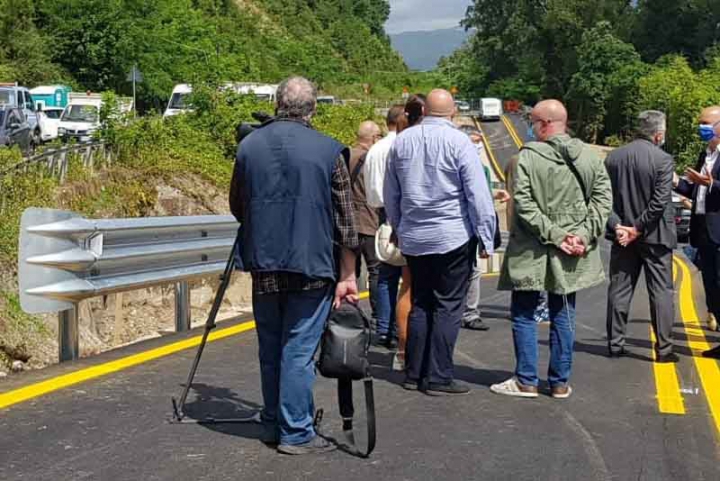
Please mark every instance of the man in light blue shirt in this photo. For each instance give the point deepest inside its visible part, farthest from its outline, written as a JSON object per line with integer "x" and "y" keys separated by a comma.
{"x": 439, "y": 204}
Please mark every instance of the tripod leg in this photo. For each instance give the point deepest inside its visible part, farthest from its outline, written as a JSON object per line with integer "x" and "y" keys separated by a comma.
{"x": 209, "y": 326}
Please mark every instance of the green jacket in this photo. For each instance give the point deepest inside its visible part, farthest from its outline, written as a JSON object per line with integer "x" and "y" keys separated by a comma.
{"x": 548, "y": 205}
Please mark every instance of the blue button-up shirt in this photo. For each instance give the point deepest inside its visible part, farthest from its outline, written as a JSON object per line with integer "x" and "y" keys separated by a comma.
{"x": 435, "y": 192}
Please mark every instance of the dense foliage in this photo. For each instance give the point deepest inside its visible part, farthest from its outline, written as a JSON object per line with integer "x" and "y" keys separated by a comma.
{"x": 93, "y": 44}
{"x": 606, "y": 59}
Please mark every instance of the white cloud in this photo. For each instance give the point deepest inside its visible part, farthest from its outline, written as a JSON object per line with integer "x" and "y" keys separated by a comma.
{"x": 412, "y": 15}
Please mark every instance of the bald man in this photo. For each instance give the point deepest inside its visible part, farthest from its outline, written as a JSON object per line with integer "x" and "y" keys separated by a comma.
{"x": 702, "y": 185}
{"x": 366, "y": 217}
{"x": 439, "y": 204}
{"x": 561, "y": 202}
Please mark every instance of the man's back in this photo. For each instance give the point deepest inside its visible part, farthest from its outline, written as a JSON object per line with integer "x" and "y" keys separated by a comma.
{"x": 437, "y": 170}
{"x": 641, "y": 177}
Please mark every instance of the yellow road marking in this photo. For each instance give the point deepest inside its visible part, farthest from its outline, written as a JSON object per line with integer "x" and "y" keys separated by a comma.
{"x": 511, "y": 130}
{"x": 667, "y": 385}
{"x": 60, "y": 382}
{"x": 708, "y": 368}
{"x": 498, "y": 171}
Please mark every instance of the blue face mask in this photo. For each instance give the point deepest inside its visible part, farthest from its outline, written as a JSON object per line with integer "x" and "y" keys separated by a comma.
{"x": 706, "y": 132}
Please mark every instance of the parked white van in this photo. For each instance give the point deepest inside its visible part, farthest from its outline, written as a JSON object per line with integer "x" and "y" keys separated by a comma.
{"x": 491, "y": 109}
{"x": 178, "y": 103}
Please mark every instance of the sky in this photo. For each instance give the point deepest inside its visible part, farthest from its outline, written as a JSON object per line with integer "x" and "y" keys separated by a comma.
{"x": 412, "y": 15}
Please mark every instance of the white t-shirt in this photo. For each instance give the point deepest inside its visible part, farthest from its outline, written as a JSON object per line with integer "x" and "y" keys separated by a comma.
{"x": 374, "y": 170}
{"x": 707, "y": 169}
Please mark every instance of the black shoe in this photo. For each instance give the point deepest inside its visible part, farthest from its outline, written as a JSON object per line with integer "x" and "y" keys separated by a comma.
{"x": 410, "y": 385}
{"x": 453, "y": 387}
{"x": 667, "y": 358}
{"x": 381, "y": 340}
{"x": 316, "y": 445}
{"x": 269, "y": 435}
{"x": 712, "y": 353}
{"x": 476, "y": 325}
{"x": 391, "y": 343}
{"x": 617, "y": 353}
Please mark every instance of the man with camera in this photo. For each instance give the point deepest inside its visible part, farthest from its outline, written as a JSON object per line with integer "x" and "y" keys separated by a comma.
{"x": 291, "y": 193}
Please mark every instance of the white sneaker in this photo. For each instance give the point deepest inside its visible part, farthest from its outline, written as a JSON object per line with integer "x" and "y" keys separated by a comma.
{"x": 513, "y": 388}
{"x": 398, "y": 362}
{"x": 712, "y": 322}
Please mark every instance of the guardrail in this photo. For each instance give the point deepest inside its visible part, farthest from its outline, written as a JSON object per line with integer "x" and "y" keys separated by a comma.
{"x": 56, "y": 161}
{"x": 65, "y": 259}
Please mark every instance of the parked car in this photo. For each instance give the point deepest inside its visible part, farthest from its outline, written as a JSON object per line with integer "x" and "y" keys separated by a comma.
{"x": 50, "y": 122}
{"x": 327, "y": 99}
{"x": 13, "y": 95}
{"x": 682, "y": 218}
{"x": 15, "y": 130}
{"x": 80, "y": 119}
{"x": 462, "y": 106}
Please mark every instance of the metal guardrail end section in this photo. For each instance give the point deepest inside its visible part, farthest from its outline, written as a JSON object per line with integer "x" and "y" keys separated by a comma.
{"x": 65, "y": 258}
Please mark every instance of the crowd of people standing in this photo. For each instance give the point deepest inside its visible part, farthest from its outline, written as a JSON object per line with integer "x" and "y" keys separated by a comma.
{"x": 312, "y": 208}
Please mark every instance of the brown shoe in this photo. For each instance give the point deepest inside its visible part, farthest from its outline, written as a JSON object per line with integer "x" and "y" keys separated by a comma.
{"x": 561, "y": 392}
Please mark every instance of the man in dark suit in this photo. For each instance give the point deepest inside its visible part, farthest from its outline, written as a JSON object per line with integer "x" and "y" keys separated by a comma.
{"x": 702, "y": 185}
{"x": 642, "y": 226}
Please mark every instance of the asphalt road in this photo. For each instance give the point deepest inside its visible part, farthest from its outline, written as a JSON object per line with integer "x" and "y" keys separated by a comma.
{"x": 115, "y": 427}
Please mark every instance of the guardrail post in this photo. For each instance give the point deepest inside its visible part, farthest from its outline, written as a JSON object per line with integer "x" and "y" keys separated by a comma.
{"x": 68, "y": 334}
{"x": 182, "y": 307}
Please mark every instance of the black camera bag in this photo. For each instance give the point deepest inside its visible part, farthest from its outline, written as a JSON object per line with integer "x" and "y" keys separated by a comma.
{"x": 344, "y": 356}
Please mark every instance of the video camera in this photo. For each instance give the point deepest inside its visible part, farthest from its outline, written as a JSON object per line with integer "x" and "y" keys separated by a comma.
{"x": 246, "y": 128}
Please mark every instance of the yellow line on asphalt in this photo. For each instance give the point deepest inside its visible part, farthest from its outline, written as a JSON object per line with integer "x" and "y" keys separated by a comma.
{"x": 513, "y": 133}
{"x": 498, "y": 171}
{"x": 60, "y": 382}
{"x": 667, "y": 385}
{"x": 708, "y": 368}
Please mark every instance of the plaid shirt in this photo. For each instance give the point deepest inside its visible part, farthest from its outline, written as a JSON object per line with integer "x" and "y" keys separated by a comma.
{"x": 345, "y": 233}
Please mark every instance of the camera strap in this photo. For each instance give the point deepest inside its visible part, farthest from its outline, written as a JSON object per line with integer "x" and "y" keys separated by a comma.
{"x": 347, "y": 411}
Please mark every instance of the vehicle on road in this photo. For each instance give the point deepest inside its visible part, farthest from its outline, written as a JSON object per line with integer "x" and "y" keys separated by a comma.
{"x": 81, "y": 118}
{"x": 491, "y": 109}
{"x": 178, "y": 103}
{"x": 16, "y": 130}
{"x": 16, "y": 96}
{"x": 682, "y": 218}
{"x": 179, "y": 100}
{"x": 462, "y": 106}
{"x": 51, "y": 96}
{"x": 50, "y": 122}
{"x": 327, "y": 99}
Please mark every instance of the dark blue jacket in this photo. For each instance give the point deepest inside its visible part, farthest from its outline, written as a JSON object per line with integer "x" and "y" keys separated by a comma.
{"x": 712, "y": 204}
{"x": 288, "y": 224}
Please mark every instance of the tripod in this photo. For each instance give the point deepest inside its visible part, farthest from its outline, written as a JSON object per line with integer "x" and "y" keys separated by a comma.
{"x": 179, "y": 416}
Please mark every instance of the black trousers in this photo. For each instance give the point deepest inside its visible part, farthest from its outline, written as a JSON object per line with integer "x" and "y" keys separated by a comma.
{"x": 626, "y": 263}
{"x": 439, "y": 287}
{"x": 709, "y": 253}
{"x": 367, "y": 252}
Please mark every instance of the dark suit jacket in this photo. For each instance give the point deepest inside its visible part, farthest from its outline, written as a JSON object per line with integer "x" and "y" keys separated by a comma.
{"x": 642, "y": 176}
{"x": 712, "y": 204}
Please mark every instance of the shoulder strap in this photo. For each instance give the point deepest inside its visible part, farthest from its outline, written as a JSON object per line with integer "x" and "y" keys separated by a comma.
{"x": 573, "y": 168}
{"x": 356, "y": 171}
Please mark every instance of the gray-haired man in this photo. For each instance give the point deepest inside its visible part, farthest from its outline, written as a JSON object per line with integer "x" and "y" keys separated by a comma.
{"x": 643, "y": 230}
{"x": 291, "y": 191}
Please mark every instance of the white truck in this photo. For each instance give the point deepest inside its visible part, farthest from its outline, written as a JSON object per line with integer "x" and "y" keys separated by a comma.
{"x": 81, "y": 118}
{"x": 179, "y": 103}
{"x": 491, "y": 109}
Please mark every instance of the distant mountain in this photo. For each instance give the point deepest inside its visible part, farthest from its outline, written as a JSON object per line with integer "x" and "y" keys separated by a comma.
{"x": 422, "y": 50}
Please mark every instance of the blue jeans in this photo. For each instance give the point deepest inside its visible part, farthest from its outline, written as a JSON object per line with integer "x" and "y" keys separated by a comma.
{"x": 387, "y": 292}
{"x": 289, "y": 327}
{"x": 562, "y": 337}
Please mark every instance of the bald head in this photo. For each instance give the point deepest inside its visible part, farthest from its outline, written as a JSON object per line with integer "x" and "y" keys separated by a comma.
{"x": 368, "y": 133}
{"x": 549, "y": 118}
{"x": 440, "y": 103}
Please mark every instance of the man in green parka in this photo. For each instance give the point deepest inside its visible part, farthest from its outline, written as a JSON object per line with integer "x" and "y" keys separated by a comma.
{"x": 562, "y": 198}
